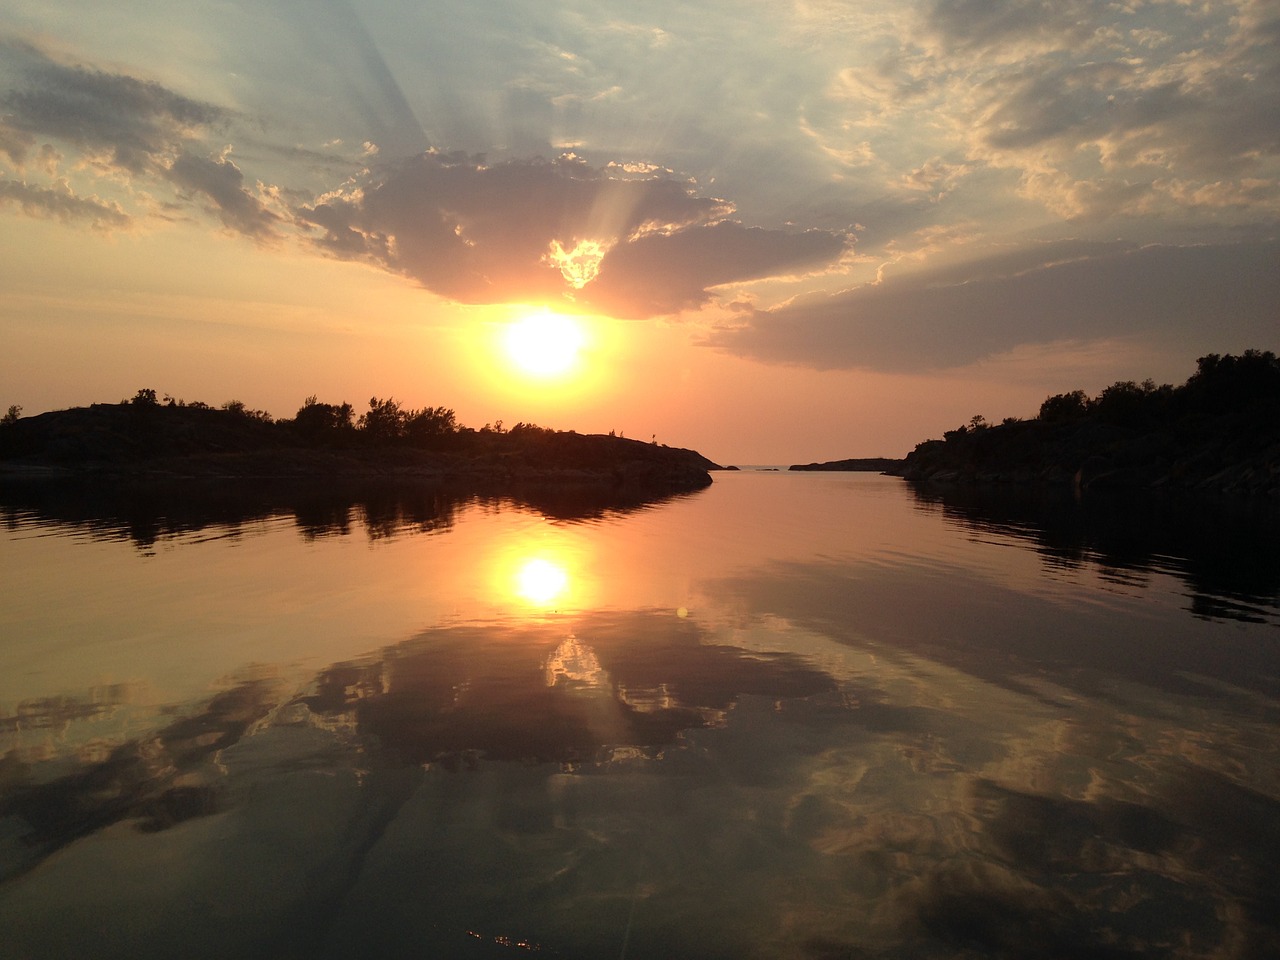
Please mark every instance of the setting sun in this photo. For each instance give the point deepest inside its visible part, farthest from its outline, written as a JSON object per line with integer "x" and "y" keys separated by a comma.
{"x": 544, "y": 344}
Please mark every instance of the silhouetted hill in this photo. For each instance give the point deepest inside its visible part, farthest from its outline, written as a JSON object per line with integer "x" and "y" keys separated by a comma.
{"x": 1220, "y": 431}
{"x": 146, "y": 440}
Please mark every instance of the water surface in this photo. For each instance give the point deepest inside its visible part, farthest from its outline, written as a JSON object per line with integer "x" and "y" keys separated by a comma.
{"x": 814, "y": 715}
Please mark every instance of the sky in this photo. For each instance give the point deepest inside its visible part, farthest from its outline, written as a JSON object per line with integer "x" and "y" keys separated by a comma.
{"x": 786, "y": 231}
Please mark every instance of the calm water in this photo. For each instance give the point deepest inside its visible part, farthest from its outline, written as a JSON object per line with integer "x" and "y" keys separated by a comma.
{"x": 809, "y": 716}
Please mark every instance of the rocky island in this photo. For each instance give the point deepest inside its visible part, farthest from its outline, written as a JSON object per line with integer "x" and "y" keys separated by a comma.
{"x": 1218, "y": 432}
{"x": 852, "y": 465}
{"x": 150, "y": 440}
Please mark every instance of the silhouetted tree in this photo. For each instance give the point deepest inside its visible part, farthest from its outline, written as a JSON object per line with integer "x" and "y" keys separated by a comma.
{"x": 1125, "y": 403}
{"x": 12, "y": 415}
{"x": 1064, "y": 407}
{"x": 429, "y": 425}
{"x": 146, "y": 397}
{"x": 384, "y": 422}
{"x": 1227, "y": 415}
{"x": 324, "y": 421}
{"x": 1225, "y": 383}
{"x": 523, "y": 429}
{"x": 237, "y": 408}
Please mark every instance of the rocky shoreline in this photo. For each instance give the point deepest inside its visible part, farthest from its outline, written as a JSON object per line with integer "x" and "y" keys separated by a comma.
{"x": 1117, "y": 468}
{"x": 120, "y": 443}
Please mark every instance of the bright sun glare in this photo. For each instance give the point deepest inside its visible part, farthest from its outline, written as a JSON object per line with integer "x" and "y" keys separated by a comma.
{"x": 540, "y": 581}
{"x": 544, "y": 344}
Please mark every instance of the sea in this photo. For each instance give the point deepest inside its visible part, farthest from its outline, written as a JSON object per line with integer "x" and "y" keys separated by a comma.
{"x": 791, "y": 715}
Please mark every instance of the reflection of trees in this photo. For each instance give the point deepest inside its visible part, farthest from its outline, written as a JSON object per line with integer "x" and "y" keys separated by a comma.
{"x": 1225, "y": 550}
{"x": 149, "y": 512}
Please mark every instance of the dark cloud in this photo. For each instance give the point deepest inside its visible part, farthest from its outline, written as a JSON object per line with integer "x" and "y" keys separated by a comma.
{"x": 123, "y": 125}
{"x": 1079, "y": 101}
{"x": 221, "y": 182}
{"x": 664, "y": 273}
{"x": 484, "y": 234}
{"x": 954, "y": 317}
{"x": 15, "y": 144}
{"x": 38, "y": 201}
{"x": 119, "y": 120}
{"x": 979, "y": 24}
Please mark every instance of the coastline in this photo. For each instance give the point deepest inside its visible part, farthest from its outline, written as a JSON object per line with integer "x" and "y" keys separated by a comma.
{"x": 123, "y": 444}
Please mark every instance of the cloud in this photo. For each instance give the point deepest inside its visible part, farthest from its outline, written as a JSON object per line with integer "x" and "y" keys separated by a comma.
{"x": 62, "y": 204}
{"x": 957, "y": 120}
{"x": 629, "y": 237}
{"x": 1069, "y": 290}
{"x": 1100, "y": 122}
{"x": 221, "y": 182}
{"x": 125, "y": 128}
{"x": 117, "y": 120}
{"x": 15, "y": 144}
{"x": 1193, "y": 115}
{"x": 976, "y": 25}
{"x": 480, "y": 233}
{"x": 668, "y": 272}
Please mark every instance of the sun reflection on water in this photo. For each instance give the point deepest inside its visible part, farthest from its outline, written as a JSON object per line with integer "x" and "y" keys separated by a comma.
{"x": 574, "y": 663}
{"x": 542, "y": 573}
{"x": 541, "y": 582}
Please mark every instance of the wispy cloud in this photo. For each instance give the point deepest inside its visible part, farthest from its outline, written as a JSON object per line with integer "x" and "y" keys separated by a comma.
{"x": 117, "y": 121}
{"x": 62, "y": 204}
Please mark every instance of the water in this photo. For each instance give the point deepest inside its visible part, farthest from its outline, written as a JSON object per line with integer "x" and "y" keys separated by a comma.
{"x": 810, "y": 716}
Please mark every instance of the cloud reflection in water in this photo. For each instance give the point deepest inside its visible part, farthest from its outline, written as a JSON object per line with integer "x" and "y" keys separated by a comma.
{"x": 514, "y": 691}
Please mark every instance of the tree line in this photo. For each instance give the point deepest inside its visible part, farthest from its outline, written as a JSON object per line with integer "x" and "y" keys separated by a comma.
{"x": 1223, "y": 385}
{"x": 387, "y": 422}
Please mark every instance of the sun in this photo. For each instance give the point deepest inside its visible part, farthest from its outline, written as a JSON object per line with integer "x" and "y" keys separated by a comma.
{"x": 544, "y": 344}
